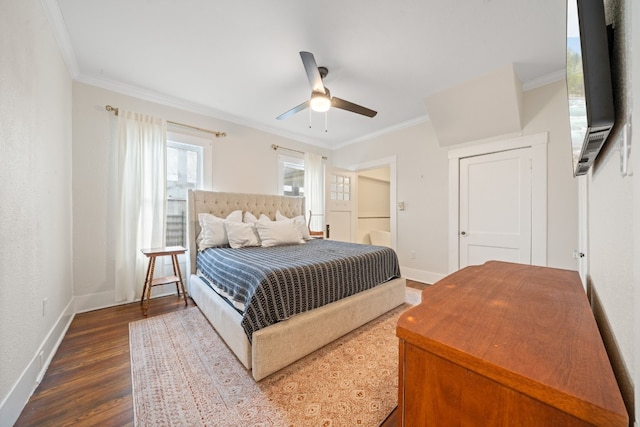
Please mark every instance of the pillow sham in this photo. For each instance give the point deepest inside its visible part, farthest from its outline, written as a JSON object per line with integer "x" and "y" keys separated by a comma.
{"x": 276, "y": 233}
{"x": 212, "y": 232}
{"x": 299, "y": 221}
{"x": 250, "y": 218}
{"x": 241, "y": 234}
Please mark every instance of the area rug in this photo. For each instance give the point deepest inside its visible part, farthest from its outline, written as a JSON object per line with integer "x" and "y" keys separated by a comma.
{"x": 184, "y": 375}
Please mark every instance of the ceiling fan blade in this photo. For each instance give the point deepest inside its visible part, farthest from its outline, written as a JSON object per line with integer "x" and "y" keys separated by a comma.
{"x": 310, "y": 66}
{"x": 350, "y": 106}
{"x": 294, "y": 110}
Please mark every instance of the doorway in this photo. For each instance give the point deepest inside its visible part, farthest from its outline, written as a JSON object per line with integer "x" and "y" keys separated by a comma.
{"x": 343, "y": 217}
{"x": 374, "y": 206}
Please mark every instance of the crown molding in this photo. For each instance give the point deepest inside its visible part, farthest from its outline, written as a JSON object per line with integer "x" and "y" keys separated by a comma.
{"x": 394, "y": 128}
{"x": 59, "y": 30}
{"x": 545, "y": 80}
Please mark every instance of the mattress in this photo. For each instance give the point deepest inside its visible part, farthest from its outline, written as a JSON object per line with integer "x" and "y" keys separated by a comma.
{"x": 268, "y": 285}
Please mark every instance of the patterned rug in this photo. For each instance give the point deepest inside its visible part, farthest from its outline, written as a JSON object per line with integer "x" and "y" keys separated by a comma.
{"x": 184, "y": 375}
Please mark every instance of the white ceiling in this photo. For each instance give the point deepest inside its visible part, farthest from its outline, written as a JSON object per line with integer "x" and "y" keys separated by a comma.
{"x": 239, "y": 60}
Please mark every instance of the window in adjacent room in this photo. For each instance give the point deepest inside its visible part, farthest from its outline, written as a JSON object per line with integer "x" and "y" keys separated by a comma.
{"x": 188, "y": 167}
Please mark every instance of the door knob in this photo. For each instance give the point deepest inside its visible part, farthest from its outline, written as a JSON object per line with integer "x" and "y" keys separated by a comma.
{"x": 463, "y": 233}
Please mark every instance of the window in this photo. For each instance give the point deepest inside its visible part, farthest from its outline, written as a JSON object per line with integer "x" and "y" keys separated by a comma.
{"x": 291, "y": 175}
{"x": 188, "y": 167}
{"x": 340, "y": 187}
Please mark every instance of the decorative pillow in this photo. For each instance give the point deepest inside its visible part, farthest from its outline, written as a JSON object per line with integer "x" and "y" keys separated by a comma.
{"x": 263, "y": 217}
{"x": 235, "y": 216}
{"x": 250, "y": 218}
{"x": 212, "y": 229}
{"x": 275, "y": 233}
{"x": 241, "y": 234}
{"x": 299, "y": 221}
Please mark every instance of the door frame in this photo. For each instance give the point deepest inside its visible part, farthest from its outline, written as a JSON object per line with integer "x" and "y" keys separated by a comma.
{"x": 538, "y": 143}
{"x": 583, "y": 227}
{"x": 389, "y": 162}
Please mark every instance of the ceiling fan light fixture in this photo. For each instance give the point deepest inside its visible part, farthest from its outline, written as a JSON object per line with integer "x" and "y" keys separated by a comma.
{"x": 320, "y": 102}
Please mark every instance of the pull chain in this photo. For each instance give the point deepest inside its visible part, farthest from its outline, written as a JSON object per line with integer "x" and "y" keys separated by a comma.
{"x": 326, "y": 120}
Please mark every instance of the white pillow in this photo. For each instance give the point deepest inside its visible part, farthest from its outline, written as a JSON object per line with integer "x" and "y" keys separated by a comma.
{"x": 235, "y": 216}
{"x": 280, "y": 217}
{"x": 249, "y": 217}
{"x": 212, "y": 229}
{"x": 263, "y": 217}
{"x": 241, "y": 234}
{"x": 275, "y": 233}
{"x": 299, "y": 221}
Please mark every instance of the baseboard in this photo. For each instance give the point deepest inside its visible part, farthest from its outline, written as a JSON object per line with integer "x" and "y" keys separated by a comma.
{"x": 11, "y": 407}
{"x": 421, "y": 275}
{"x": 14, "y": 403}
{"x": 96, "y": 301}
{"x": 100, "y": 300}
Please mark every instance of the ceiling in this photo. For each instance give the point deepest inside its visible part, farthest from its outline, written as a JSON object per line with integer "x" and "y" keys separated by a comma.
{"x": 239, "y": 60}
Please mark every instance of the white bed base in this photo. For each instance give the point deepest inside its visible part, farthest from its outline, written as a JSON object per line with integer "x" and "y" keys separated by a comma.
{"x": 281, "y": 344}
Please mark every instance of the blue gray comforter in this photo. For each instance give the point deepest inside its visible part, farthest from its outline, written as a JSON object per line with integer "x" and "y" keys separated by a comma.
{"x": 277, "y": 282}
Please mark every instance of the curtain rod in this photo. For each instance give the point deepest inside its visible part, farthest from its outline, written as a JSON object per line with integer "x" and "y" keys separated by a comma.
{"x": 218, "y": 134}
{"x": 280, "y": 147}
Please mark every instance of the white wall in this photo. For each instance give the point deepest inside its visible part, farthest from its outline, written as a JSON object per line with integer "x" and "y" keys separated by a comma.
{"x": 546, "y": 109}
{"x": 614, "y": 212}
{"x": 373, "y": 203}
{"x": 35, "y": 194}
{"x": 634, "y": 344}
{"x": 242, "y": 162}
{"x": 633, "y": 322}
{"x": 422, "y": 180}
{"x": 422, "y": 183}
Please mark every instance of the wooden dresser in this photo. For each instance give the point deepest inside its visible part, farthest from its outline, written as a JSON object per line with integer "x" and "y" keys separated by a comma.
{"x": 505, "y": 344}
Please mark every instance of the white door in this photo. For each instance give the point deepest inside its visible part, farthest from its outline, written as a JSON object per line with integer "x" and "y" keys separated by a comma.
{"x": 495, "y": 208}
{"x": 340, "y": 205}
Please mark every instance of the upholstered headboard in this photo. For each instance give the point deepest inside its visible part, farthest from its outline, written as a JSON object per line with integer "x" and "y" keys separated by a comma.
{"x": 222, "y": 204}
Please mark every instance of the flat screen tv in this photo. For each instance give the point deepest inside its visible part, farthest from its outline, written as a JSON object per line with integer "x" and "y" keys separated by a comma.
{"x": 589, "y": 85}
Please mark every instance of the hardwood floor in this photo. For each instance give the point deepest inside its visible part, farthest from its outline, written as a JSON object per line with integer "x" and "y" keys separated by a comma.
{"x": 416, "y": 285}
{"x": 89, "y": 379}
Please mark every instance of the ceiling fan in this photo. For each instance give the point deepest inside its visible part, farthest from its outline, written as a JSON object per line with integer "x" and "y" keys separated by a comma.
{"x": 321, "y": 99}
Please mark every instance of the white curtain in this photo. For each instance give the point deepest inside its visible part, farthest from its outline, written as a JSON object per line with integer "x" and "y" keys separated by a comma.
{"x": 314, "y": 189}
{"x": 141, "y": 197}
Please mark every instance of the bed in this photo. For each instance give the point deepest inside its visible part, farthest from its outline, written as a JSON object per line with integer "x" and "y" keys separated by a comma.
{"x": 268, "y": 347}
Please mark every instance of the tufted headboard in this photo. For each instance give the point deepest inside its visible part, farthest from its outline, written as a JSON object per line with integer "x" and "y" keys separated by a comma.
{"x": 222, "y": 204}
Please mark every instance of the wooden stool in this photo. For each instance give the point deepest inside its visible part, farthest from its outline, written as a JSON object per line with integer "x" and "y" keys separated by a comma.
{"x": 150, "y": 282}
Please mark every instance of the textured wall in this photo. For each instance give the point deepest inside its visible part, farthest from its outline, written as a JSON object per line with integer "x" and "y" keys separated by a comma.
{"x": 611, "y": 216}
{"x": 35, "y": 190}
